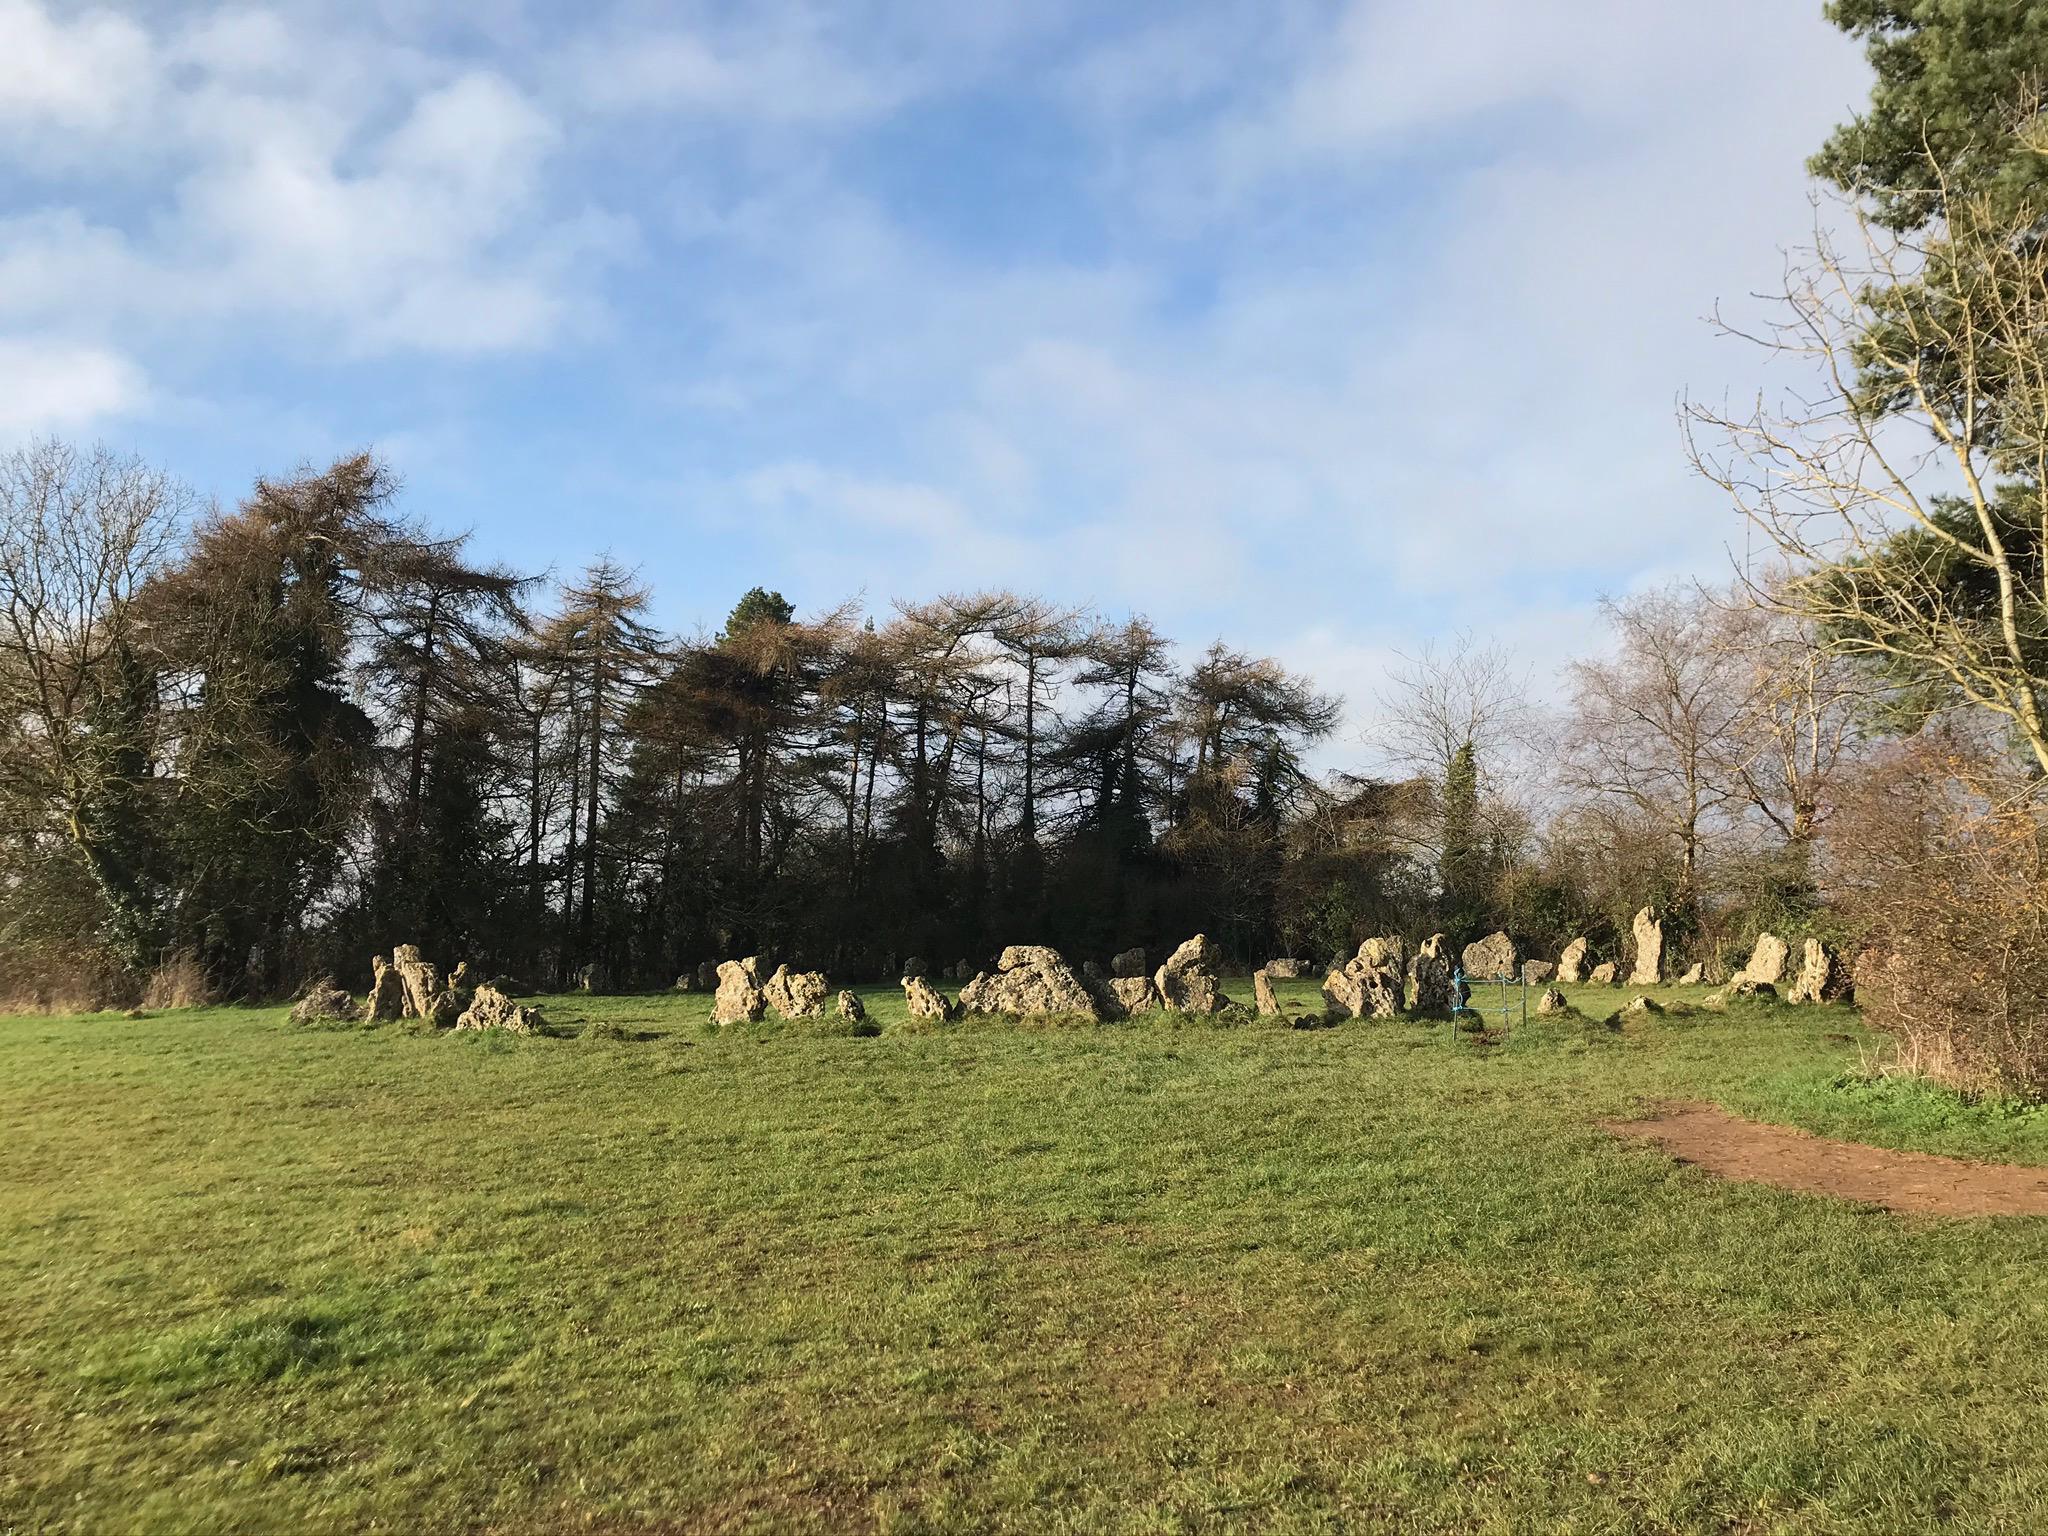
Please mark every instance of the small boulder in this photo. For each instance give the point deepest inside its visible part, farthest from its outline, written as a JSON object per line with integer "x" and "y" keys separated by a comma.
{"x": 1642, "y": 1007}
{"x": 926, "y": 1001}
{"x": 707, "y": 976}
{"x": 687, "y": 982}
{"x": 1603, "y": 975}
{"x": 1554, "y": 1002}
{"x": 1537, "y": 972}
{"x": 1285, "y": 970}
{"x": 1741, "y": 990}
{"x": 740, "y": 999}
{"x": 1695, "y": 976}
{"x": 850, "y": 1007}
{"x": 491, "y": 1009}
{"x": 322, "y": 1003}
{"x": 1091, "y": 971}
{"x": 1129, "y": 963}
{"x": 1132, "y": 994}
{"x": 913, "y": 967}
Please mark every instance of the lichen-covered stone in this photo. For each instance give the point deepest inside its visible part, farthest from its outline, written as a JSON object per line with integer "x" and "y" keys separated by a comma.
{"x": 796, "y": 994}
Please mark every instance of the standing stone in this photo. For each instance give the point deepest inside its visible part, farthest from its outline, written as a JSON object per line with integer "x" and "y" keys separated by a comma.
{"x": 1553, "y": 1002}
{"x": 586, "y": 979}
{"x": 740, "y": 999}
{"x": 1766, "y": 960}
{"x": 1431, "y": 986}
{"x": 1343, "y": 996}
{"x": 1643, "y": 1007}
{"x": 1603, "y": 975}
{"x": 796, "y": 994}
{"x": 1090, "y": 971}
{"x": 1129, "y": 963}
{"x": 1375, "y": 972}
{"x": 851, "y": 1008}
{"x": 926, "y": 1001}
{"x": 1822, "y": 976}
{"x": 1492, "y": 957}
{"x": 1536, "y": 972}
{"x": 1695, "y": 976}
{"x": 1649, "y": 971}
{"x": 1262, "y": 994}
{"x": 418, "y": 980}
{"x": 1284, "y": 970}
{"x": 387, "y": 993}
{"x": 1031, "y": 980}
{"x": 707, "y": 977}
{"x": 1187, "y": 982}
{"x": 1571, "y": 964}
{"x": 687, "y": 982}
{"x": 914, "y": 966}
{"x": 1741, "y": 989}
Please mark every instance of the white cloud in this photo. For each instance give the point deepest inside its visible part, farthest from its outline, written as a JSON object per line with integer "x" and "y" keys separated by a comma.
{"x": 51, "y": 386}
{"x": 81, "y": 75}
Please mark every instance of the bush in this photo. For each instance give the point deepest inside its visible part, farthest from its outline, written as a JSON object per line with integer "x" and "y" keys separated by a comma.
{"x": 1941, "y": 859}
{"x": 177, "y": 983}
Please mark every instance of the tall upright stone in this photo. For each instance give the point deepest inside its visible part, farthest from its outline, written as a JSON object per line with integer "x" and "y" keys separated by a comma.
{"x": 1571, "y": 963}
{"x": 1649, "y": 968}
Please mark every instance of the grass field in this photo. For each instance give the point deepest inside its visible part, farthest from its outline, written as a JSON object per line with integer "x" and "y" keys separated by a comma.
{"x": 1134, "y": 1278}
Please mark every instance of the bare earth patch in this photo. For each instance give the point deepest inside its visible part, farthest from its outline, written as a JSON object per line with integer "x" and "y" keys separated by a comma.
{"x": 1708, "y": 1137}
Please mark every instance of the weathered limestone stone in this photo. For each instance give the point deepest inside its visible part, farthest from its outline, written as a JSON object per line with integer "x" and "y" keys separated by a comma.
{"x": 1343, "y": 996}
{"x": 491, "y": 1009}
{"x": 418, "y": 979}
{"x": 707, "y": 976}
{"x": 1536, "y": 972}
{"x": 387, "y": 993}
{"x": 1129, "y": 963}
{"x": 1553, "y": 1001}
{"x": 1133, "y": 994}
{"x": 1649, "y": 968}
{"x": 851, "y": 1008}
{"x": 1491, "y": 957}
{"x": 926, "y": 1001}
{"x": 1571, "y": 964}
{"x": 1642, "y": 1007}
{"x": 796, "y": 994}
{"x": 1603, "y": 975}
{"x": 1822, "y": 976}
{"x": 1284, "y": 970}
{"x": 1695, "y": 976}
{"x": 1187, "y": 982}
{"x": 1374, "y": 977}
{"x": 1766, "y": 960}
{"x": 322, "y": 1002}
{"x": 1262, "y": 994}
{"x": 1030, "y": 979}
{"x": 687, "y": 982}
{"x": 1431, "y": 986}
{"x": 586, "y": 979}
{"x": 740, "y": 999}
{"x": 914, "y": 966}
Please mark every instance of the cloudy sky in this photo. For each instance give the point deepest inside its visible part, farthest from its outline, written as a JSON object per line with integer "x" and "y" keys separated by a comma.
{"x": 1323, "y": 325}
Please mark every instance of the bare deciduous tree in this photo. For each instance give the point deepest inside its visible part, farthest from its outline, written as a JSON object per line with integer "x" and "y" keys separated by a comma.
{"x": 1911, "y": 493}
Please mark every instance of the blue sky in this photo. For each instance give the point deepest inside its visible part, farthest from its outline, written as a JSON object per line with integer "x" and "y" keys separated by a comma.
{"x": 1327, "y": 326}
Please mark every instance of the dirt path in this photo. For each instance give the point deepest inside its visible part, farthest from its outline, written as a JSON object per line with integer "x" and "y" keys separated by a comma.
{"x": 1709, "y": 1137}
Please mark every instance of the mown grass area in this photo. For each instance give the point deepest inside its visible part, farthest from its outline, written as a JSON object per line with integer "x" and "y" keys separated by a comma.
{"x": 1147, "y": 1277}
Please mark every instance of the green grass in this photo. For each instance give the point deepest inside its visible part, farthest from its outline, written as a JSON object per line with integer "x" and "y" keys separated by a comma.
{"x": 1153, "y": 1277}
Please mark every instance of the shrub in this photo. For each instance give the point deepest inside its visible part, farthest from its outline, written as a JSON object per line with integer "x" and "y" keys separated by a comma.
{"x": 1941, "y": 860}
{"x": 177, "y": 983}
